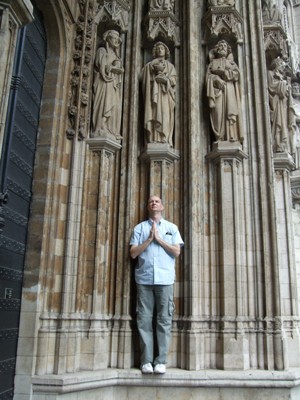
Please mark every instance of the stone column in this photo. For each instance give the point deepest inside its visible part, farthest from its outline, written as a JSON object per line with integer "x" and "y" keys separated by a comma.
{"x": 286, "y": 324}
{"x": 101, "y": 314}
{"x": 160, "y": 157}
{"x": 233, "y": 348}
{"x": 69, "y": 321}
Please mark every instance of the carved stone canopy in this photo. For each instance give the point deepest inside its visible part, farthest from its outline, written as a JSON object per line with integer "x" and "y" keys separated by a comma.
{"x": 275, "y": 41}
{"x": 222, "y": 21}
{"x": 162, "y": 24}
{"x": 114, "y": 11}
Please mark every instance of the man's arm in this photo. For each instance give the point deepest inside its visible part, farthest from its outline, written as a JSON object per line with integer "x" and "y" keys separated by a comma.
{"x": 173, "y": 249}
{"x": 136, "y": 250}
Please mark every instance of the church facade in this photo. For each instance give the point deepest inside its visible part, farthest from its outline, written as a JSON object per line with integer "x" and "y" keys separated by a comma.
{"x": 104, "y": 103}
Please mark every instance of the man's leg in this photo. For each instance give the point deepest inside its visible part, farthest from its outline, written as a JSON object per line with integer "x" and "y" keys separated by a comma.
{"x": 145, "y": 307}
{"x": 165, "y": 309}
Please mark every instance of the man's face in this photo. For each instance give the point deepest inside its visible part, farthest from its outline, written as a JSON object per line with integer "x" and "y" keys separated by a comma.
{"x": 160, "y": 51}
{"x": 222, "y": 49}
{"x": 155, "y": 204}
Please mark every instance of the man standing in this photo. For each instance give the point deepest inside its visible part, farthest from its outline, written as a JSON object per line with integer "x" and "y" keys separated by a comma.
{"x": 156, "y": 242}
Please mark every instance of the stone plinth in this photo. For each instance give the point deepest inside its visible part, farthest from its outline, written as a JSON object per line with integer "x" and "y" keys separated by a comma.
{"x": 176, "y": 384}
{"x": 286, "y": 277}
{"x": 106, "y": 143}
{"x": 233, "y": 346}
{"x": 161, "y": 158}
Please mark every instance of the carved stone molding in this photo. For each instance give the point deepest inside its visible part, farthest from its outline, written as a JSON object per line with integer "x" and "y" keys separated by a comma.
{"x": 116, "y": 11}
{"x": 80, "y": 76}
{"x": 103, "y": 143}
{"x": 283, "y": 161}
{"x": 159, "y": 152}
{"x": 222, "y": 21}
{"x": 228, "y": 151}
{"x": 163, "y": 23}
{"x": 20, "y": 10}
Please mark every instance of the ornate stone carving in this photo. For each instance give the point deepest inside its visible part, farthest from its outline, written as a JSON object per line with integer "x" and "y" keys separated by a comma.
{"x": 282, "y": 112}
{"x": 220, "y": 3}
{"x": 161, "y": 5}
{"x": 159, "y": 82}
{"x": 275, "y": 40}
{"x": 270, "y": 12}
{"x": 115, "y": 11}
{"x": 222, "y": 20}
{"x": 162, "y": 22}
{"x": 80, "y": 76}
{"x": 223, "y": 94}
{"x": 107, "y": 88}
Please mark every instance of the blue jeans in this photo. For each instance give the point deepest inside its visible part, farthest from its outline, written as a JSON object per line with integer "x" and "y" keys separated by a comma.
{"x": 149, "y": 296}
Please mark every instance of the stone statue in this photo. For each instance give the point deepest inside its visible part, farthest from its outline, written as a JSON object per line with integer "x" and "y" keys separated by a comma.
{"x": 107, "y": 87}
{"x": 270, "y": 12}
{"x": 223, "y": 3}
{"x": 283, "y": 114}
{"x": 162, "y": 5}
{"x": 224, "y": 94}
{"x": 158, "y": 82}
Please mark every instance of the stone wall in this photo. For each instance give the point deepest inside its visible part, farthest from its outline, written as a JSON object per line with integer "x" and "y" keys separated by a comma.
{"x": 228, "y": 190}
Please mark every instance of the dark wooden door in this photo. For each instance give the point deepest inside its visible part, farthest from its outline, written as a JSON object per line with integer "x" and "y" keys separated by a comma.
{"x": 16, "y": 173}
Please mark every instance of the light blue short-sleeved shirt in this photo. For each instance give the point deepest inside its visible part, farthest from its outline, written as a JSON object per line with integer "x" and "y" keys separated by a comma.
{"x": 155, "y": 265}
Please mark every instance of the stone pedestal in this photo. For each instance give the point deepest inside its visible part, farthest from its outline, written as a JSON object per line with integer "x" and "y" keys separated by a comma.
{"x": 233, "y": 347}
{"x": 160, "y": 157}
{"x": 288, "y": 321}
{"x": 104, "y": 160}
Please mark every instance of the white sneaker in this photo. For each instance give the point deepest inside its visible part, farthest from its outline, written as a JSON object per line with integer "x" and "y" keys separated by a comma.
{"x": 147, "y": 368}
{"x": 159, "y": 369}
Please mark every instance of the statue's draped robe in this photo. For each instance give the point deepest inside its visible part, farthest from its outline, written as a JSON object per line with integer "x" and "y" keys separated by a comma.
{"x": 159, "y": 102}
{"x": 282, "y": 111}
{"x": 225, "y": 104}
{"x": 107, "y": 94}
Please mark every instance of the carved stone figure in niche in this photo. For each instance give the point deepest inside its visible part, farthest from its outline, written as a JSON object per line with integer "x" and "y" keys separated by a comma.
{"x": 107, "y": 87}
{"x": 223, "y": 3}
{"x": 270, "y": 12}
{"x": 283, "y": 114}
{"x": 223, "y": 94}
{"x": 296, "y": 99}
{"x": 162, "y": 5}
{"x": 158, "y": 82}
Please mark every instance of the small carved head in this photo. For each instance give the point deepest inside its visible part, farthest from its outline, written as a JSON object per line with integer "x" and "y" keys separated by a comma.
{"x": 112, "y": 35}
{"x": 223, "y": 48}
{"x": 157, "y": 46}
{"x": 278, "y": 64}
